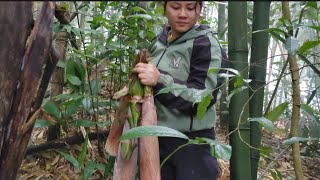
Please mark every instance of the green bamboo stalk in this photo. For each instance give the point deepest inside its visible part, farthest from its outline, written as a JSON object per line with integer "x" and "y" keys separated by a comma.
{"x": 258, "y": 62}
{"x": 240, "y": 166}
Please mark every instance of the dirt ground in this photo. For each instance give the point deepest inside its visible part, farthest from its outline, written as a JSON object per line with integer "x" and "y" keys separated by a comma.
{"x": 50, "y": 164}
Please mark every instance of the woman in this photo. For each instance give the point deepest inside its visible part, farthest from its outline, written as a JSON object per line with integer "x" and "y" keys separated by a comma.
{"x": 180, "y": 58}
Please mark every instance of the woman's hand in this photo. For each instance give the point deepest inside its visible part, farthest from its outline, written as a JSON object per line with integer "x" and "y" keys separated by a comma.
{"x": 147, "y": 73}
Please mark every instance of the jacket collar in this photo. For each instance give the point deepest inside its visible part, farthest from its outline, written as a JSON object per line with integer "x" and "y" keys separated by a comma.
{"x": 196, "y": 31}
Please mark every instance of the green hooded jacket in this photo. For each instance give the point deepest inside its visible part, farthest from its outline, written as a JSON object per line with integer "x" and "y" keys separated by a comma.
{"x": 183, "y": 65}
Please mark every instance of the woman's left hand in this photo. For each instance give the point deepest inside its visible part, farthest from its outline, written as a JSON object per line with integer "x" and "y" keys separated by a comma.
{"x": 147, "y": 73}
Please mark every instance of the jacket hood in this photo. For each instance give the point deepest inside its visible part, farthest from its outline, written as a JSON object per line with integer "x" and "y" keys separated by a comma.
{"x": 196, "y": 31}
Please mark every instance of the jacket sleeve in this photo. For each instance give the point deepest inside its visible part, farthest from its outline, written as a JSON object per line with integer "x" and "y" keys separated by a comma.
{"x": 206, "y": 54}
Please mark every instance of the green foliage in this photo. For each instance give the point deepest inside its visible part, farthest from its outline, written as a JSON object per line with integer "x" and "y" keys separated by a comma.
{"x": 142, "y": 131}
{"x": 265, "y": 123}
{"x": 276, "y": 112}
{"x": 218, "y": 150}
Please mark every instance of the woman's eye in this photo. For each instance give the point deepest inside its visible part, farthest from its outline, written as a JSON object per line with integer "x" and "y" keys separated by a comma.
{"x": 175, "y": 7}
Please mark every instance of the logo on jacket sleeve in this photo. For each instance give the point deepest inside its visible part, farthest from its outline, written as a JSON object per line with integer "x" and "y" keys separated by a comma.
{"x": 175, "y": 62}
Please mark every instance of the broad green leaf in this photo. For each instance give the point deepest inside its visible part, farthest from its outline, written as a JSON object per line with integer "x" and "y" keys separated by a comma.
{"x": 52, "y": 109}
{"x": 235, "y": 91}
{"x": 142, "y": 34}
{"x": 72, "y": 108}
{"x": 88, "y": 171}
{"x": 109, "y": 166}
{"x": 144, "y": 16}
{"x": 202, "y": 106}
{"x": 292, "y": 45}
{"x": 137, "y": 8}
{"x": 312, "y": 4}
{"x": 82, "y": 122}
{"x": 71, "y": 159}
{"x": 61, "y": 64}
{"x": 276, "y": 112}
{"x": 265, "y": 123}
{"x": 76, "y": 69}
{"x": 86, "y": 102}
{"x": 41, "y": 123}
{"x": 296, "y": 139}
{"x": 308, "y": 45}
{"x": 73, "y": 79}
{"x": 218, "y": 150}
{"x": 95, "y": 86}
{"x": 161, "y": 131}
{"x": 83, "y": 152}
{"x": 238, "y": 81}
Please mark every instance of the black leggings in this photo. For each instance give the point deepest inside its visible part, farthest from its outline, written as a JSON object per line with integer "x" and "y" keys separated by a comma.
{"x": 192, "y": 162}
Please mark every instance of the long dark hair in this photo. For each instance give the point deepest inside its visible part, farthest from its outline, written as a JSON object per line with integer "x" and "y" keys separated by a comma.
{"x": 165, "y": 4}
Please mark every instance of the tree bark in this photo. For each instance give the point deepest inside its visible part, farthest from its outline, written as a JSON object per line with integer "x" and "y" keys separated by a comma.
{"x": 18, "y": 20}
{"x": 22, "y": 112}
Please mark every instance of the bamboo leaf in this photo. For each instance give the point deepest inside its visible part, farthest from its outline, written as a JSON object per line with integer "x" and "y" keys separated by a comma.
{"x": 276, "y": 112}
{"x": 277, "y": 36}
{"x": 265, "y": 123}
{"x": 88, "y": 171}
{"x": 308, "y": 45}
{"x": 297, "y": 139}
{"x": 317, "y": 28}
{"x": 310, "y": 112}
{"x": 218, "y": 150}
{"x": 73, "y": 79}
{"x": 161, "y": 131}
{"x": 233, "y": 71}
{"x": 71, "y": 159}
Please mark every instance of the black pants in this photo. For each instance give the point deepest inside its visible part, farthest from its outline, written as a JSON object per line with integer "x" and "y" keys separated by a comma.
{"x": 192, "y": 162}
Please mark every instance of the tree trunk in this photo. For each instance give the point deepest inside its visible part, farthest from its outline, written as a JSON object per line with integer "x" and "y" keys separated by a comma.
{"x": 240, "y": 167}
{"x": 27, "y": 87}
{"x": 258, "y": 62}
{"x": 57, "y": 81}
{"x": 295, "y": 117}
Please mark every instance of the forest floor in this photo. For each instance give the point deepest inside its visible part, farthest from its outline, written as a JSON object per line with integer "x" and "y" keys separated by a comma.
{"x": 50, "y": 164}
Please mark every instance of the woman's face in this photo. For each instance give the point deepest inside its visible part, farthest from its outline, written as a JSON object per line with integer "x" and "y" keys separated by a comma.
{"x": 182, "y": 15}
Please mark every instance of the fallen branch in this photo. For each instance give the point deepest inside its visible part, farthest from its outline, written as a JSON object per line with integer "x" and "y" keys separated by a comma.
{"x": 57, "y": 144}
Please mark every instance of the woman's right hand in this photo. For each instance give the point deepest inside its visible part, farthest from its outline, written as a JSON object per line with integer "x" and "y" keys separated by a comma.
{"x": 147, "y": 73}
